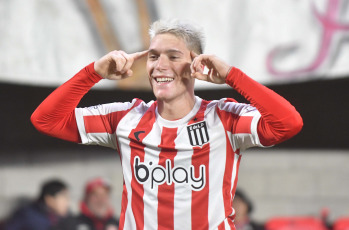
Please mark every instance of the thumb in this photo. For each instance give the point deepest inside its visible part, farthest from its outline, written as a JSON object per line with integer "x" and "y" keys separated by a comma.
{"x": 129, "y": 73}
{"x": 200, "y": 76}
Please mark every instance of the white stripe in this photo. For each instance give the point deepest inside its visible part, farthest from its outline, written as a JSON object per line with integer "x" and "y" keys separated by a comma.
{"x": 182, "y": 196}
{"x": 126, "y": 168}
{"x": 150, "y": 197}
{"x": 103, "y": 139}
{"x": 198, "y": 137}
{"x": 234, "y": 174}
{"x": 217, "y": 162}
{"x": 242, "y": 141}
{"x": 124, "y": 128}
{"x": 226, "y": 224}
{"x": 105, "y": 109}
{"x": 192, "y": 134}
{"x": 205, "y": 135}
{"x": 81, "y": 126}
{"x": 254, "y": 126}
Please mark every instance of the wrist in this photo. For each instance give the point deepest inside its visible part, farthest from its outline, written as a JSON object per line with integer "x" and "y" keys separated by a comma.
{"x": 228, "y": 72}
{"x": 232, "y": 72}
{"x": 97, "y": 68}
{"x": 92, "y": 73}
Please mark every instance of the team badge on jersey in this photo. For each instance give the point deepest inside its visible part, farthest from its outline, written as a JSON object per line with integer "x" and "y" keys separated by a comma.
{"x": 198, "y": 134}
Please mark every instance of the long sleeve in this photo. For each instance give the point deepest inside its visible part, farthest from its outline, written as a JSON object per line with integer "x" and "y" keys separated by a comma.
{"x": 279, "y": 119}
{"x": 55, "y": 116}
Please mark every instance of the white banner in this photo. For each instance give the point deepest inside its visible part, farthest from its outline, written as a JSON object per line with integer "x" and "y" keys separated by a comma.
{"x": 44, "y": 42}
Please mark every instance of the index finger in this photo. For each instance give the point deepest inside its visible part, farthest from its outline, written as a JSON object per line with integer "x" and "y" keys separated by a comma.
{"x": 139, "y": 55}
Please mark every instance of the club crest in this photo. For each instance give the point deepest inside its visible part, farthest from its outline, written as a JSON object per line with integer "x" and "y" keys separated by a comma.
{"x": 198, "y": 134}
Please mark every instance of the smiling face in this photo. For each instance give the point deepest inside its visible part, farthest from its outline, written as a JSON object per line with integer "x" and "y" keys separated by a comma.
{"x": 98, "y": 201}
{"x": 168, "y": 68}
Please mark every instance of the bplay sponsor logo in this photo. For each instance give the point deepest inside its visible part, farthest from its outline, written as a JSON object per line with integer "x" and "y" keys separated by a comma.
{"x": 158, "y": 175}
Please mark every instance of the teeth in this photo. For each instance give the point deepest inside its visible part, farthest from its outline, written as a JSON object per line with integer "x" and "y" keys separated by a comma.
{"x": 164, "y": 79}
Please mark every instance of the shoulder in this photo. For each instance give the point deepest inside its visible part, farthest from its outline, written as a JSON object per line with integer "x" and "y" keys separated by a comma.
{"x": 115, "y": 107}
{"x": 232, "y": 106}
{"x": 31, "y": 211}
{"x": 222, "y": 103}
{"x": 135, "y": 103}
{"x": 30, "y": 215}
{"x": 139, "y": 107}
{"x": 140, "y": 103}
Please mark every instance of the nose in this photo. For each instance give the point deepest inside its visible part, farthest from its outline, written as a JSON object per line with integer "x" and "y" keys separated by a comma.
{"x": 162, "y": 63}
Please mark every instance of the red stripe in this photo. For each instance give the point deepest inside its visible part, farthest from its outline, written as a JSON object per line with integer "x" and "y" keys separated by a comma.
{"x": 221, "y": 226}
{"x": 236, "y": 178}
{"x": 124, "y": 199}
{"x": 123, "y": 208}
{"x": 235, "y": 124}
{"x": 230, "y": 100}
{"x": 165, "y": 191}
{"x": 137, "y": 149}
{"x": 199, "y": 202}
{"x": 243, "y": 125}
{"x": 231, "y": 223}
{"x": 106, "y": 123}
{"x": 225, "y": 117}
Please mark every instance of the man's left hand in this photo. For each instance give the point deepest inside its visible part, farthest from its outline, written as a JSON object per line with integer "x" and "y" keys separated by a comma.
{"x": 217, "y": 68}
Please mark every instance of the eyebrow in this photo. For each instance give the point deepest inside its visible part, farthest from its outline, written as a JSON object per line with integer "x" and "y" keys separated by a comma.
{"x": 167, "y": 51}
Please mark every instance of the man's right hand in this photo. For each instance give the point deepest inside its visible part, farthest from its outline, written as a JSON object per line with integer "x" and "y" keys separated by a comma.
{"x": 117, "y": 65}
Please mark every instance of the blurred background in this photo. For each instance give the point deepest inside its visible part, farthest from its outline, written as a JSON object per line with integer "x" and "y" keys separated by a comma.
{"x": 298, "y": 48}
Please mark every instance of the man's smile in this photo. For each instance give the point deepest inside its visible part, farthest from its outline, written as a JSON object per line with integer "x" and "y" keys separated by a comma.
{"x": 163, "y": 79}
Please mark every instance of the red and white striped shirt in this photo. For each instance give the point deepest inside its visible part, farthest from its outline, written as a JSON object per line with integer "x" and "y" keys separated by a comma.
{"x": 178, "y": 174}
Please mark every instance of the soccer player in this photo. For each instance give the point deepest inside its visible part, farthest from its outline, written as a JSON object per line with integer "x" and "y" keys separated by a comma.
{"x": 180, "y": 154}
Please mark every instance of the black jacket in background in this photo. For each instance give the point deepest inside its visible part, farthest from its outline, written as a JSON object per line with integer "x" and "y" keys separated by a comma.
{"x": 82, "y": 222}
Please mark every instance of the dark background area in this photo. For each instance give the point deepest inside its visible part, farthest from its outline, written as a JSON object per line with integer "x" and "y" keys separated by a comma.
{"x": 323, "y": 105}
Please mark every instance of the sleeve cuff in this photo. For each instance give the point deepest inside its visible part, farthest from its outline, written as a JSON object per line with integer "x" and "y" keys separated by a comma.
{"x": 92, "y": 74}
{"x": 81, "y": 126}
{"x": 232, "y": 75}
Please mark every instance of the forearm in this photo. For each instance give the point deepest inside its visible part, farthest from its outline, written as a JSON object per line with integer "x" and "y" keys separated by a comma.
{"x": 55, "y": 116}
{"x": 280, "y": 120}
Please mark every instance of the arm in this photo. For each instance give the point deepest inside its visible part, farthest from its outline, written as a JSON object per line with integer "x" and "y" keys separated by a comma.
{"x": 55, "y": 116}
{"x": 280, "y": 120}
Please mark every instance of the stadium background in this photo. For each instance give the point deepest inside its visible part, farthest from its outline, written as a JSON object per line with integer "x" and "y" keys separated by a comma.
{"x": 300, "y": 49}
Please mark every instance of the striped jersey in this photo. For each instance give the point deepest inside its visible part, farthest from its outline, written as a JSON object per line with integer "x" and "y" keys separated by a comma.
{"x": 179, "y": 174}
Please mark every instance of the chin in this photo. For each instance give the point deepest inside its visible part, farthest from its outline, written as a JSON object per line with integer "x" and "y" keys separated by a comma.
{"x": 162, "y": 96}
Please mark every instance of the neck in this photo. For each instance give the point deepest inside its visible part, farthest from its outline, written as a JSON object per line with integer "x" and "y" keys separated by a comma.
{"x": 177, "y": 108}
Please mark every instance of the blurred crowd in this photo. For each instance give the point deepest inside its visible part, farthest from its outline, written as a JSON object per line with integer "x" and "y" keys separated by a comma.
{"x": 50, "y": 211}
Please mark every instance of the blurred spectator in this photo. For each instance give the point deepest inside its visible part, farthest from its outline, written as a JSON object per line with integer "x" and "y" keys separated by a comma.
{"x": 45, "y": 212}
{"x": 95, "y": 209}
{"x": 243, "y": 208}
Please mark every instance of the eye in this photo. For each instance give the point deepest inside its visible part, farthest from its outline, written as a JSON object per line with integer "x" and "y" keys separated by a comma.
{"x": 152, "y": 57}
{"x": 174, "y": 57}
